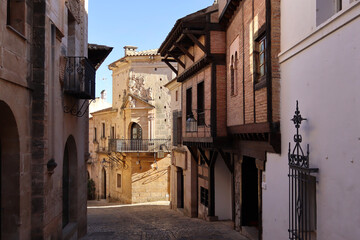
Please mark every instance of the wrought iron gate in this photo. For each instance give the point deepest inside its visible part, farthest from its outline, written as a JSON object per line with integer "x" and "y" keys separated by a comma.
{"x": 302, "y": 203}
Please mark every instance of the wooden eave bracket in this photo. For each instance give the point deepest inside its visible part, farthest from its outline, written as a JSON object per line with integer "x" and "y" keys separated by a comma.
{"x": 196, "y": 41}
{"x": 213, "y": 158}
{"x": 178, "y": 60}
{"x": 185, "y": 51}
{"x": 193, "y": 154}
{"x": 167, "y": 62}
{"x": 226, "y": 160}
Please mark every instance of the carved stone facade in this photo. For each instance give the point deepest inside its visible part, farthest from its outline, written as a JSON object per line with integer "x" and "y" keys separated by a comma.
{"x": 130, "y": 153}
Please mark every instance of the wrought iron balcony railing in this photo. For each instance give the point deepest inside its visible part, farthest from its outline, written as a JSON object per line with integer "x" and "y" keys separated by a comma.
{"x": 79, "y": 78}
{"x": 139, "y": 145}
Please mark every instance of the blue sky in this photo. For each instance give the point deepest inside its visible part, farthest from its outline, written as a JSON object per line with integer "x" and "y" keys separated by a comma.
{"x": 141, "y": 23}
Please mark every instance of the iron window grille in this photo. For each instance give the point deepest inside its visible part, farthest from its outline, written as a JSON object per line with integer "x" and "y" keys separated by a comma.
{"x": 79, "y": 79}
{"x": 302, "y": 188}
{"x": 204, "y": 196}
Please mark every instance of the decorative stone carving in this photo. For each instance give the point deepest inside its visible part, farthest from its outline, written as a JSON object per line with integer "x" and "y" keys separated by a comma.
{"x": 137, "y": 87}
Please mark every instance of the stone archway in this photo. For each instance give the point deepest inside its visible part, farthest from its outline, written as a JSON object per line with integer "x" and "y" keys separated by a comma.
{"x": 10, "y": 174}
{"x": 70, "y": 188}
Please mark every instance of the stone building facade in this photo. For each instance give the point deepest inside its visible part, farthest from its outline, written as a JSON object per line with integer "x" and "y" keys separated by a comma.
{"x": 131, "y": 140}
{"x": 43, "y": 146}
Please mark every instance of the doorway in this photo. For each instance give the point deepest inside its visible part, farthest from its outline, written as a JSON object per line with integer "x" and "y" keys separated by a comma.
{"x": 250, "y": 207}
{"x": 136, "y": 137}
{"x": 69, "y": 181}
{"x": 9, "y": 173}
{"x": 103, "y": 195}
{"x": 180, "y": 188}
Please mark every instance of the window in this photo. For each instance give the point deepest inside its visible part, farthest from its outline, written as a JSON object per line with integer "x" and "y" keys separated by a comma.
{"x": 95, "y": 134}
{"x": 200, "y": 104}
{"x": 232, "y": 75}
{"x": 260, "y": 59}
{"x": 189, "y": 102}
{"x": 326, "y": 9}
{"x": 103, "y": 130}
{"x": 16, "y": 15}
{"x": 177, "y": 128}
{"x": 112, "y": 132}
{"x": 204, "y": 196}
{"x": 176, "y": 96}
{"x": 118, "y": 180}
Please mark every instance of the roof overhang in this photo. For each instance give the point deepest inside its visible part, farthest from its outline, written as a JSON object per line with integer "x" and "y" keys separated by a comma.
{"x": 97, "y": 54}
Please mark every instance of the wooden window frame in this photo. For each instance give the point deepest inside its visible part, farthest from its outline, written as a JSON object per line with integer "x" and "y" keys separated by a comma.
{"x": 260, "y": 80}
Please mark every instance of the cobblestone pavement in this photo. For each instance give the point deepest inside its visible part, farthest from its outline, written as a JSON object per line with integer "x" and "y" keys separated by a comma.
{"x": 151, "y": 221}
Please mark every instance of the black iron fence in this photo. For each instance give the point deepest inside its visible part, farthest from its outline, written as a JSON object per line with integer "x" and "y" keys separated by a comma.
{"x": 139, "y": 145}
{"x": 79, "y": 78}
{"x": 302, "y": 188}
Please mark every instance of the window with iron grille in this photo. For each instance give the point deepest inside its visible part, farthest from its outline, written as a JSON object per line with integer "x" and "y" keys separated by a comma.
{"x": 204, "y": 196}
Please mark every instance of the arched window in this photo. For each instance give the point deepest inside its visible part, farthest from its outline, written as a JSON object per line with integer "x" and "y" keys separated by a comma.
{"x": 235, "y": 73}
{"x": 232, "y": 73}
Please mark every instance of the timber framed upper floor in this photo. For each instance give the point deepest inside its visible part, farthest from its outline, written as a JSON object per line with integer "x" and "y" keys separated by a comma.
{"x": 197, "y": 44}
{"x": 252, "y": 69}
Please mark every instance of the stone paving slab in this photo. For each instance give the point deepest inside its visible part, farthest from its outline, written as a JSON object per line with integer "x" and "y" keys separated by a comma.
{"x": 151, "y": 221}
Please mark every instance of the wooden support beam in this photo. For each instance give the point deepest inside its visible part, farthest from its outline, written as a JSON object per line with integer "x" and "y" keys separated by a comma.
{"x": 185, "y": 51}
{"x": 170, "y": 66}
{"x": 193, "y": 153}
{"x": 197, "y": 42}
{"x": 213, "y": 158}
{"x": 199, "y": 32}
{"x": 179, "y": 61}
{"x": 227, "y": 160}
{"x": 202, "y": 153}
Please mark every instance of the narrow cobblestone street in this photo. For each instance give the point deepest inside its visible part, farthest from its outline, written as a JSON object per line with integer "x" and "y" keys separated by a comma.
{"x": 151, "y": 221}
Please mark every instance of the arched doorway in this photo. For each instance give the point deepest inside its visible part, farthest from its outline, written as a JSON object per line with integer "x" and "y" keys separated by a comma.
{"x": 69, "y": 182}
{"x": 136, "y": 131}
{"x": 136, "y": 137}
{"x": 9, "y": 171}
{"x": 103, "y": 195}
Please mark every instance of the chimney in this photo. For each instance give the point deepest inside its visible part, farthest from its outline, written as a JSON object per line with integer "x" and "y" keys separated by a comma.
{"x": 103, "y": 95}
{"x": 129, "y": 50}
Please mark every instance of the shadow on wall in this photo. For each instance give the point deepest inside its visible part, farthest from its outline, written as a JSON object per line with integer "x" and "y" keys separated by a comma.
{"x": 149, "y": 176}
